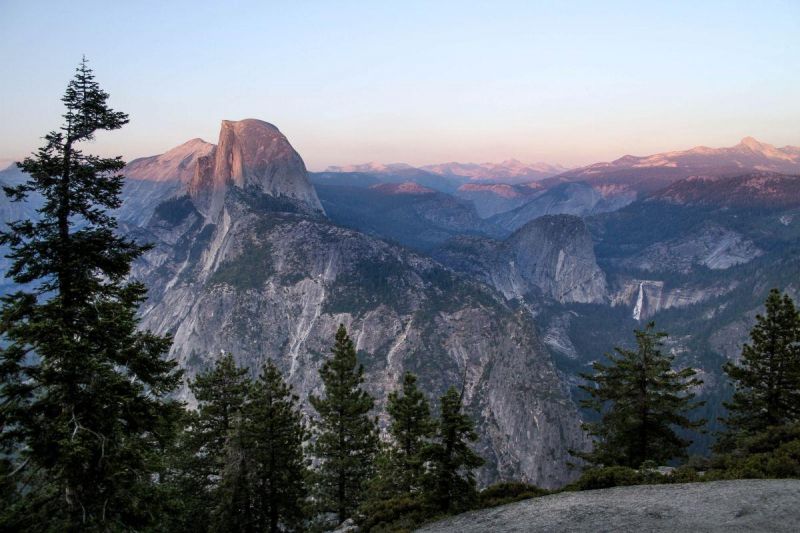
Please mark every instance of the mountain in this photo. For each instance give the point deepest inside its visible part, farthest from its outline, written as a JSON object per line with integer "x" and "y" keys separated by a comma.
{"x": 572, "y": 198}
{"x": 394, "y": 173}
{"x": 510, "y": 171}
{"x": 645, "y": 175}
{"x": 152, "y": 179}
{"x": 493, "y": 198}
{"x": 407, "y": 187}
{"x": 177, "y": 164}
{"x": 551, "y": 257}
{"x": 759, "y": 189}
{"x": 251, "y": 155}
{"x": 247, "y": 262}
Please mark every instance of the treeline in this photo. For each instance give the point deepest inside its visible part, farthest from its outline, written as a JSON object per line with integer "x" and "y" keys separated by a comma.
{"x": 92, "y": 438}
{"x": 247, "y": 460}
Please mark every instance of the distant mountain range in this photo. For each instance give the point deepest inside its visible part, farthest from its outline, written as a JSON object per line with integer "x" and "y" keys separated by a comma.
{"x": 509, "y": 171}
{"x": 502, "y": 187}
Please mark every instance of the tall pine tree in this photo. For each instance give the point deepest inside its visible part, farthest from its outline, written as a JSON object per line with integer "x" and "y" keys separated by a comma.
{"x": 84, "y": 409}
{"x": 346, "y": 436}
{"x": 205, "y": 449}
{"x": 274, "y": 433}
{"x": 451, "y": 481}
{"x": 642, "y": 402}
{"x": 411, "y": 429}
{"x": 767, "y": 379}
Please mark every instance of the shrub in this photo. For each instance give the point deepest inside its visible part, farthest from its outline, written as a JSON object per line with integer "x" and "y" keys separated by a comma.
{"x": 508, "y": 492}
{"x": 607, "y": 477}
{"x": 773, "y": 453}
{"x": 399, "y": 514}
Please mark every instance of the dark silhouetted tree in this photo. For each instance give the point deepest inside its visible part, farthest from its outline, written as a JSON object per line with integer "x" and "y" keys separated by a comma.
{"x": 84, "y": 409}
{"x": 642, "y": 402}
{"x": 346, "y": 436}
{"x": 411, "y": 428}
{"x": 450, "y": 480}
{"x": 767, "y": 378}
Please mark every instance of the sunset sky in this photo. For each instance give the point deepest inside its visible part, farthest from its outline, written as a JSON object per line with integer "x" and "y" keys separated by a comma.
{"x": 419, "y": 82}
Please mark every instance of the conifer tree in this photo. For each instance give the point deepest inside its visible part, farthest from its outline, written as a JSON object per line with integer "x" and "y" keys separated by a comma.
{"x": 767, "y": 379}
{"x": 273, "y": 436}
{"x": 346, "y": 436}
{"x": 232, "y": 499}
{"x": 411, "y": 428}
{"x": 206, "y": 448}
{"x": 451, "y": 481}
{"x": 642, "y": 402}
{"x": 84, "y": 410}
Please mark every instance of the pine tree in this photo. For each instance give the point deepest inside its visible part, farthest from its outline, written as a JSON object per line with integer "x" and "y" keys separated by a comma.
{"x": 767, "y": 379}
{"x": 206, "y": 448}
{"x": 641, "y": 401}
{"x": 273, "y": 437}
{"x": 346, "y": 436}
{"x": 411, "y": 428}
{"x": 451, "y": 481}
{"x": 84, "y": 410}
{"x": 233, "y": 508}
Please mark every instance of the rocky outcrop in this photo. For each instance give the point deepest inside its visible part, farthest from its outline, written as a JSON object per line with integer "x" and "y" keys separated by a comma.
{"x": 711, "y": 246}
{"x": 552, "y": 256}
{"x": 177, "y": 164}
{"x": 742, "y": 505}
{"x": 646, "y": 297}
{"x": 251, "y": 154}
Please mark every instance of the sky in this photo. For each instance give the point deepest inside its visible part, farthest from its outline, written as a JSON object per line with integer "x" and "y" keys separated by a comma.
{"x": 569, "y": 82}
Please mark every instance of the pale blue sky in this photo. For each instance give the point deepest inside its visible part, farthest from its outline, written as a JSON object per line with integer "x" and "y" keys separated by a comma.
{"x": 419, "y": 82}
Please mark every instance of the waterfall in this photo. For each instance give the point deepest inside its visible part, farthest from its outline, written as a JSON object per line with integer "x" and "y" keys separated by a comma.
{"x": 637, "y": 310}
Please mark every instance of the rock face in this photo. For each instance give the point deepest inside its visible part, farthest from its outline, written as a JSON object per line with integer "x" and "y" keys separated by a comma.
{"x": 743, "y": 505}
{"x": 711, "y": 246}
{"x": 177, "y": 164}
{"x": 551, "y": 256}
{"x": 247, "y": 264}
{"x": 251, "y": 154}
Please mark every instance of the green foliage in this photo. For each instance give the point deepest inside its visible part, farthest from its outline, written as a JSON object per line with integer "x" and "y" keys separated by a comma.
{"x": 396, "y": 488}
{"x": 346, "y": 436}
{"x": 263, "y": 486}
{"x": 411, "y": 428}
{"x": 771, "y": 453}
{"x": 641, "y": 400}
{"x": 175, "y": 210}
{"x": 767, "y": 380}
{"x": 85, "y": 413}
{"x": 202, "y": 453}
{"x": 250, "y": 270}
{"x": 609, "y": 476}
{"x": 507, "y": 492}
{"x": 397, "y": 514}
{"x": 450, "y": 482}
